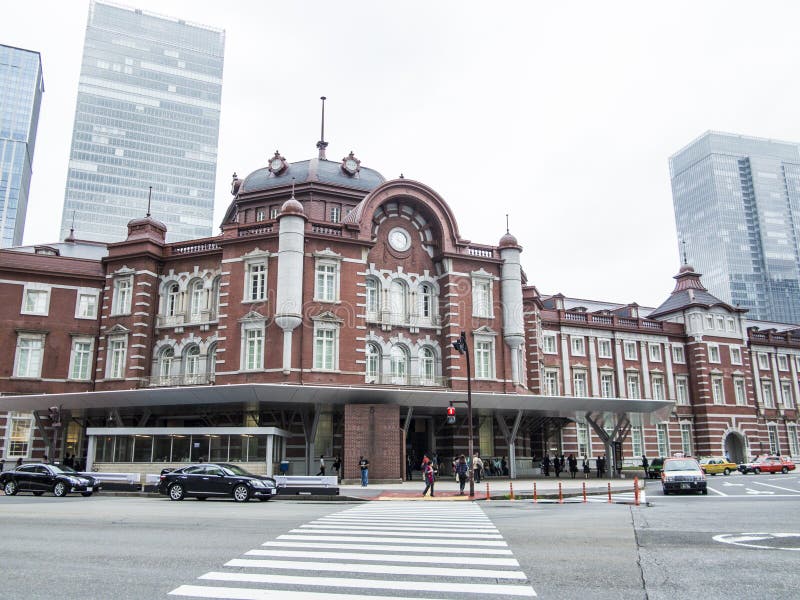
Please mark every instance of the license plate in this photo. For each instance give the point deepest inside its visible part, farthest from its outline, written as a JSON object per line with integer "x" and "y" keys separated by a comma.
{"x": 273, "y": 491}
{"x": 90, "y": 489}
{"x": 685, "y": 486}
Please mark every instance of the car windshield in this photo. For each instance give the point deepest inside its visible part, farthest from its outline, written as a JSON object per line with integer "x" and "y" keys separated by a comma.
{"x": 680, "y": 465}
{"x": 64, "y": 469}
{"x": 234, "y": 470}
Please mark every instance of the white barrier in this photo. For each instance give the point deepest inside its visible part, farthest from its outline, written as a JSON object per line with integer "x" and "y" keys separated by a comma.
{"x": 306, "y": 481}
{"x": 129, "y": 478}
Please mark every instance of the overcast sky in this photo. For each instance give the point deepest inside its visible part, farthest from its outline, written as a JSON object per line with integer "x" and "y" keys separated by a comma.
{"x": 562, "y": 114}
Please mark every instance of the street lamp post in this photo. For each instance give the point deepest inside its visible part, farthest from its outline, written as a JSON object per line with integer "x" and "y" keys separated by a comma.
{"x": 461, "y": 346}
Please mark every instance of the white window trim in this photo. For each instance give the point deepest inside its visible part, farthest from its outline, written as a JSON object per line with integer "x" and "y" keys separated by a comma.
{"x": 328, "y": 259}
{"x": 326, "y": 322}
{"x": 660, "y": 380}
{"x": 116, "y": 309}
{"x": 110, "y": 357}
{"x": 600, "y": 343}
{"x": 654, "y": 353}
{"x": 711, "y": 349}
{"x": 551, "y": 336}
{"x": 743, "y": 400}
{"x": 252, "y": 324}
{"x": 577, "y": 345}
{"x": 483, "y": 277}
{"x": 762, "y": 361}
{"x": 607, "y": 375}
{"x": 718, "y": 399}
{"x": 685, "y": 381}
{"x": 733, "y": 351}
{"x": 679, "y": 354}
{"x": 630, "y": 344}
{"x": 249, "y": 265}
{"x": 785, "y": 359}
{"x": 36, "y": 287}
{"x": 30, "y": 336}
{"x": 87, "y": 292}
{"x": 72, "y": 355}
{"x": 556, "y": 377}
{"x": 15, "y": 416}
{"x": 484, "y": 339}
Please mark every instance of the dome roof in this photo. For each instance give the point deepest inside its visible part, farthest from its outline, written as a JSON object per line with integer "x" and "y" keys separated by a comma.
{"x": 508, "y": 241}
{"x": 292, "y": 207}
{"x": 316, "y": 171}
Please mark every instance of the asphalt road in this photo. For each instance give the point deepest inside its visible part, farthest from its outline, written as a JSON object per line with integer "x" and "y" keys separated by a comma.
{"x": 680, "y": 547}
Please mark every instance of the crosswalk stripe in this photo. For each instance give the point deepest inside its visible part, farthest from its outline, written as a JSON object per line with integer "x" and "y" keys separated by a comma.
{"x": 227, "y": 593}
{"x": 414, "y": 522}
{"x": 386, "y": 538}
{"x": 379, "y": 569}
{"x": 478, "y": 560}
{"x": 390, "y": 528}
{"x": 401, "y": 585}
{"x": 385, "y": 547}
{"x": 378, "y": 529}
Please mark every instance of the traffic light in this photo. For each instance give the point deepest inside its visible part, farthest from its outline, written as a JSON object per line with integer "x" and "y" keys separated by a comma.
{"x": 451, "y": 415}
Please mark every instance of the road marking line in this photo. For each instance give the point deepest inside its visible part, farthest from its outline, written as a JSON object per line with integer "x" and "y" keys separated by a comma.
{"x": 376, "y": 529}
{"x": 386, "y": 547}
{"x": 390, "y": 528}
{"x": 455, "y": 541}
{"x": 412, "y": 521}
{"x": 380, "y": 569}
{"x": 478, "y": 560}
{"x": 715, "y": 491}
{"x": 202, "y": 591}
{"x": 374, "y": 584}
{"x": 777, "y": 487}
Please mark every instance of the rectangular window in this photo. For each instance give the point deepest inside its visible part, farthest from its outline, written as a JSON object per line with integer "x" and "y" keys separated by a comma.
{"x": 682, "y": 391}
{"x": 483, "y": 360}
{"x": 123, "y": 292}
{"x": 254, "y": 349}
{"x": 273, "y": 212}
{"x": 36, "y": 302}
{"x": 578, "y": 348}
{"x": 736, "y": 355}
{"x": 583, "y": 440}
{"x": 579, "y": 383}
{"x": 629, "y": 349}
{"x": 709, "y": 322}
{"x": 81, "y": 359}
{"x": 678, "y": 355}
{"x": 766, "y": 394}
{"x": 325, "y": 283}
{"x": 603, "y": 348}
{"x": 658, "y": 387}
{"x": 720, "y": 323}
{"x": 763, "y": 361}
{"x": 783, "y": 362}
{"x": 662, "y": 435}
{"x": 336, "y": 214}
{"x": 19, "y": 438}
{"x": 786, "y": 394}
{"x": 260, "y": 214}
{"x": 256, "y": 282}
{"x": 325, "y": 349}
{"x": 655, "y": 352}
{"x": 116, "y": 358}
{"x": 30, "y": 351}
{"x": 637, "y": 445}
{"x": 549, "y": 343}
{"x": 632, "y": 380}
{"x": 551, "y": 384}
{"x": 717, "y": 390}
{"x": 731, "y": 324}
{"x": 739, "y": 391}
{"x": 607, "y": 385}
{"x": 774, "y": 446}
{"x": 713, "y": 353}
{"x": 794, "y": 447}
{"x": 481, "y": 298}
{"x": 87, "y": 306}
{"x": 686, "y": 439}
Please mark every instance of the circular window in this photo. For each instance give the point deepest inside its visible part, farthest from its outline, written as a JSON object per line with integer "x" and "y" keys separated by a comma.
{"x": 399, "y": 239}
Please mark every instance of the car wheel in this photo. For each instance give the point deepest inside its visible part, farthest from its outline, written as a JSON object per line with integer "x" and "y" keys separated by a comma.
{"x": 10, "y": 488}
{"x": 60, "y": 489}
{"x": 176, "y": 492}
{"x": 784, "y": 470}
{"x": 704, "y": 491}
{"x": 757, "y": 471}
{"x": 241, "y": 493}
{"x": 86, "y": 494}
{"x": 38, "y": 493}
{"x": 727, "y": 472}
{"x": 202, "y": 497}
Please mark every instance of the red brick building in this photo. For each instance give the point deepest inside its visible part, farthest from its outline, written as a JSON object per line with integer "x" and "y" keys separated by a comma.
{"x": 321, "y": 321}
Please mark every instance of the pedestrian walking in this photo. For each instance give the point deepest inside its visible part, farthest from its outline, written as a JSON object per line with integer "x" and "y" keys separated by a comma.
{"x": 19, "y": 461}
{"x": 557, "y": 465}
{"x": 504, "y": 466}
{"x": 546, "y": 465}
{"x": 586, "y": 469}
{"x": 573, "y": 466}
{"x": 645, "y": 463}
{"x": 477, "y": 467}
{"x": 461, "y": 473}
{"x": 363, "y": 464}
{"x": 409, "y": 467}
{"x": 337, "y": 465}
{"x": 601, "y": 465}
{"x": 428, "y": 476}
{"x": 321, "y": 466}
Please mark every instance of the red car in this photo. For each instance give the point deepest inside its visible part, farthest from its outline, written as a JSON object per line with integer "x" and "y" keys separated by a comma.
{"x": 768, "y": 464}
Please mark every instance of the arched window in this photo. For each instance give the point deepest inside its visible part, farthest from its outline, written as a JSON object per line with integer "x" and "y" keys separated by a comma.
{"x": 165, "y": 363}
{"x": 214, "y": 300}
{"x": 211, "y": 367}
{"x": 192, "y": 366}
{"x": 399, "y": 362}
{"x": 373, "y": 296}
{"x": 172, "y": 301}
{"x": 197, "y": 299}
{"x": 426, "y": 308}
{"x": 373, "y": 367}
{"x": 427, "y": 366}
{"x": 398, "y": 301}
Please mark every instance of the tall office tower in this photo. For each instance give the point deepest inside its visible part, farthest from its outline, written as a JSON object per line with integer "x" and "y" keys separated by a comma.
{"x": 21, "y": 89}
{"x": 147, "y": 115}
{"x": 737, "y": 208}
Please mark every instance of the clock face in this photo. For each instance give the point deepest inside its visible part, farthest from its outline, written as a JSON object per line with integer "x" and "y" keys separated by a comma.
{"x": 276, "y": 164}
{"x": 399, "y": 239}
{"x": 351, "y": 165}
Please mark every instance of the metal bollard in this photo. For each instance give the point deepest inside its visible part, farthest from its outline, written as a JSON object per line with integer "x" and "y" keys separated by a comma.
{"x": 609, "y": 492}
{"x": 560, "y": 495}
{"x": 636, "y": 491}
{"x": 535, "y": 497}
{"x": 584, "y": 492}
{"x": 488, "y": 496}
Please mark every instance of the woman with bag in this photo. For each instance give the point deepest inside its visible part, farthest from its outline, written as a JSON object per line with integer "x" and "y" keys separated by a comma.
{"x": 427, "y": 476}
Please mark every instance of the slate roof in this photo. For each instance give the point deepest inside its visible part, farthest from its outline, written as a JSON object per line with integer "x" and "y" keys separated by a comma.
{"x": 314, "y": 170}
{"x": 689, "y": 291}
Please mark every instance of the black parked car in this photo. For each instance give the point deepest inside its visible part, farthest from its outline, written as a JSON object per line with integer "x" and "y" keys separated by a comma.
{"x": 215, "y": 480}
{"x": 40, "y": 478}
{"x": 654, "y": 470}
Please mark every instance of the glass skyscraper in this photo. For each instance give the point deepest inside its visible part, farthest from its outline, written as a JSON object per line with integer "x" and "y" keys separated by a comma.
{"x": 21, "y": 89}
{"x": 147, "y": 115}
{"x": 737, "y": 208}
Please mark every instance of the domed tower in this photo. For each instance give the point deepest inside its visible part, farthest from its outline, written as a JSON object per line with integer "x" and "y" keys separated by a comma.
{"x": 511, "y": 298}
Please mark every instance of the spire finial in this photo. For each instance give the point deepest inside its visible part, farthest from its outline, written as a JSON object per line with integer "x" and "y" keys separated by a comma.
{"x": 149, "y": 196}
{"x": 293, "y": 179}
{"x": 685, "y": 259}
{"x": 507, "y": 230}
{"x": 322, "y": 144}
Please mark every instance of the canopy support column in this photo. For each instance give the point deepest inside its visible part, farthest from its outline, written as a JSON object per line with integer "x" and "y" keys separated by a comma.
{"x": 510, "y": 436}
{"x": 622, "y": 426}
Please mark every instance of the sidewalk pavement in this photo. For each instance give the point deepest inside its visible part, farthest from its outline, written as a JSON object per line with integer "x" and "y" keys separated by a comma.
{"x": 446, "y": 488}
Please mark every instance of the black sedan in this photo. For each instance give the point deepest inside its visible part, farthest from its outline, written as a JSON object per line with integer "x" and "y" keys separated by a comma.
{"x": 40, "y": 478}
{"x": 220, "y": 480}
